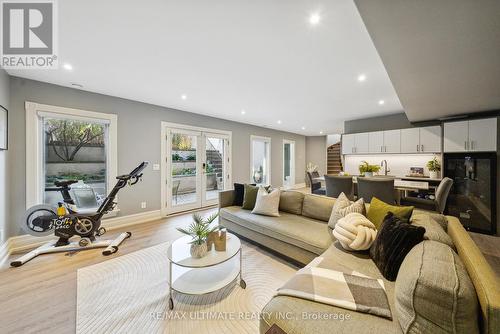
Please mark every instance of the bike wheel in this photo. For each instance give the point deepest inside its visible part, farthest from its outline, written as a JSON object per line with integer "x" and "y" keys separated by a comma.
{"x": 29, "y": 221}
{"x": 84, "y": 226}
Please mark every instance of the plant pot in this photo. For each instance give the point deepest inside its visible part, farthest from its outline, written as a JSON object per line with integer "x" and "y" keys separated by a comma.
{"x": 433, "y": 175}
{"x": 198, "y": 251}
{"x": 368, "y": 174}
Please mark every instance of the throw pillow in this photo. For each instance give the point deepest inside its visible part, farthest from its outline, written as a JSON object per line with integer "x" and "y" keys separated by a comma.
{"x": 250, "y": 195}
{"x": 342, "y": 207}
{"x": 267, "y": 204}
{"x": 379, "y": 209}
{"x": 239, "y": 192}
{"x": 433, "y": 231}
{"x": 394, "y": 240}
{"x": 434, "y": 293}
{"x": 355, "y": 232}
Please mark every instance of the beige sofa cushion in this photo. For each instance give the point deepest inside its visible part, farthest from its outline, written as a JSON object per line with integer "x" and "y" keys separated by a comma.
{"x": 317, "y": 207}
{"x": 291, "y": 201}
{"x": 306, "y": 233}
{"x": 433, "y": 230}
{"x": 434, "y": 293}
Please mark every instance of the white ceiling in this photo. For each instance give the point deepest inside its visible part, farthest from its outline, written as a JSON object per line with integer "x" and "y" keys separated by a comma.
{"x": 227, "y": 55}
{"x": 443, "y": 57}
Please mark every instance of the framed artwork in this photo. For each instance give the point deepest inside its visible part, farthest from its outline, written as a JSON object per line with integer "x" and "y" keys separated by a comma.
{"x": 4, "y": 127}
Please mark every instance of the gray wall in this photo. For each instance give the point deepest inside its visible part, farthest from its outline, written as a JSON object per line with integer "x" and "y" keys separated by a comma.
{"x": 316, "y": 152}
{"x": 138, "y": 140}
{"x": 388, "y": 122}
{"x": 4, "y": 158}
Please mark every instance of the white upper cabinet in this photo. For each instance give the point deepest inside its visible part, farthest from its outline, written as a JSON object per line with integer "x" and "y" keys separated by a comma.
{"x": 376, "y": 142}
{"x": 392, "y": 141}
{"x": 456, "y": 136}
{"x": 483, "y": 135}
{"x": 430, "y": 139}
{"x": 469, "y": 136}
{"x": 348, "y": 144}
{"x": 362, "y": 143}
{"x": 410, "y": 140}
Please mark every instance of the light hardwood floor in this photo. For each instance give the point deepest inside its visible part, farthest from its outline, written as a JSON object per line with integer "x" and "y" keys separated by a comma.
{"x": 40, "y": 297}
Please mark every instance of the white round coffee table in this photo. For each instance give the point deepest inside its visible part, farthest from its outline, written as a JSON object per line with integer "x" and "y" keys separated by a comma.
{"x": 210, "y": 273}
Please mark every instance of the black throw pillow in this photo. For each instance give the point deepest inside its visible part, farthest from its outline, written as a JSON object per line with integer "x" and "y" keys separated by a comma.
{"x": 394, "y": 240}
{"x": 239, "y": 192}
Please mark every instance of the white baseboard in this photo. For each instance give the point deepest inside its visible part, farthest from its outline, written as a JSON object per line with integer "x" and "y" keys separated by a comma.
{"x": 26, "y": 241}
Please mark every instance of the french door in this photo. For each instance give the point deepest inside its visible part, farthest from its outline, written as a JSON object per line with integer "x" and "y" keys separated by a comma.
{"x": 196, "y": 165}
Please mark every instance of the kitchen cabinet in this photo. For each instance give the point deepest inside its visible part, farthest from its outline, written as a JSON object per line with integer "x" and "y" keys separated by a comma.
{"x": 483, "y": 135}
{"x": 348, "y": 144}
{"x": 471, "y": 136}
{"x": 362, "y": 143}
{"x": 376, "y": 142}
{"x": 430, "y": 139}
{"x": 410, "y": 140}
{"x": 392, "y": 141}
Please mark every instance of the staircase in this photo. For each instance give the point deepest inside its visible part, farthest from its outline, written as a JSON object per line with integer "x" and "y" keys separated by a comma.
{"x": 334, "y": 163}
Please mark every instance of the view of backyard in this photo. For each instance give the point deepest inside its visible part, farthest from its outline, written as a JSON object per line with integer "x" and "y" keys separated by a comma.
{"x": 75, "y": 150}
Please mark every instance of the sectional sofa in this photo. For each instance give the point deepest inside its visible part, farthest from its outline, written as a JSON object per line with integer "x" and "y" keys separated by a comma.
{"x": 301, "y": 233}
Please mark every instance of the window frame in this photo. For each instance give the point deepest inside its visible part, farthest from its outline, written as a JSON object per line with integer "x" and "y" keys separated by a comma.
{"x": 35, "y": 150}
{"x": 268, "y": 156}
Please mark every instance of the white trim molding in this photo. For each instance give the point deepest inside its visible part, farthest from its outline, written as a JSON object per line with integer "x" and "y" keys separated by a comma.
{"x": 201, "y": 134}
{"x": 34, "y": 145}
{"x": 25, "y": 242}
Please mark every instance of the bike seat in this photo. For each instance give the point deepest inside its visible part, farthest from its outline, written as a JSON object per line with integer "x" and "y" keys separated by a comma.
{"x": 64, "y": 183}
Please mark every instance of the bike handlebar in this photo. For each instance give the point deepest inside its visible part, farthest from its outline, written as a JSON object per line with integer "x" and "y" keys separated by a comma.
{"x": 135, "y": 173}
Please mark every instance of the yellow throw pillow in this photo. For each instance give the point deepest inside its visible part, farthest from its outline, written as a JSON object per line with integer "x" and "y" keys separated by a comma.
{"x": 379, "y": 209}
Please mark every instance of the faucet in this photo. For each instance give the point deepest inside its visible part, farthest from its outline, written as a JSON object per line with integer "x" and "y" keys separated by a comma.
{"x": 383, "y": 163}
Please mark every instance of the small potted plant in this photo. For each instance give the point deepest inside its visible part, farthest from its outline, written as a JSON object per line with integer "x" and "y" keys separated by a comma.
{"x": 434, "y": 168}
{"x": 199, "y": 230}
{"x": 367, "y": 170}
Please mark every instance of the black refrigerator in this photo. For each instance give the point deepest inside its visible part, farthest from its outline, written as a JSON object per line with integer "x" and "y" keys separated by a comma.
{"x": 473, "y": 196}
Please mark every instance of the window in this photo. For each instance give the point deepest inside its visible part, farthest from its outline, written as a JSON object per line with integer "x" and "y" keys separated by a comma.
{"x": 260, "y": 160}
{"x": 69, "y": 144}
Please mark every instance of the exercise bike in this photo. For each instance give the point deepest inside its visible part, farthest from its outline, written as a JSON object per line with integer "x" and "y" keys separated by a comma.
{"x": 65, "y": 221}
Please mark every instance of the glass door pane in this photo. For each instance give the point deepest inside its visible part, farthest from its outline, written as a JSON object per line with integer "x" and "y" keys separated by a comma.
{"x": 260, "y": 161}
{"x": 184, "y": 169}
{"x": 215, "y": 167}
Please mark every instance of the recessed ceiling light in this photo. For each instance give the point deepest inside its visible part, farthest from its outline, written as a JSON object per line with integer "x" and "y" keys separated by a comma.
{"x": 314, "y": 19}
{"x": 303, "y": 128}
{"x": 243, "y": 112}
{"x": 74, "y": 84}
{"x": 68, "y": 67}
{"x": 381, "y": 102}
{"x": 361, "y": 77}
{"x": 279, "y": 121}
{"x": 321, "y": 132}
{"x": 184, "y": 96}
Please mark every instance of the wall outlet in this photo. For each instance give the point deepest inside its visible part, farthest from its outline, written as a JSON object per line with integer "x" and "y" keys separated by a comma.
{"x": 156, "y": 166}
{"x": 143, "y": 205}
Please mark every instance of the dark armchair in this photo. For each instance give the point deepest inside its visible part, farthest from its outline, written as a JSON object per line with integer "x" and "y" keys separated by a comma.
{"x": 315, "y": 185}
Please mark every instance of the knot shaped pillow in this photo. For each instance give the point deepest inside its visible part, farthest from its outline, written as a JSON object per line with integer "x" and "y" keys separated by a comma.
{"x": 355, "y": 232}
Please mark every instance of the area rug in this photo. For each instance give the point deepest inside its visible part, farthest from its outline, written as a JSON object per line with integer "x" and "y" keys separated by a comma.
{"x": 129, "y": 294}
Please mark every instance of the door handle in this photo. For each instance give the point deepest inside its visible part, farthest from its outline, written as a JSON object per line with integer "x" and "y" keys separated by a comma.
{"x": 471, "y": 144}
{"x": 422, "y": 148}
{"x": 381, "y": 148}
{"x": 418, "y": 148}
{"x": 465, "y": 145}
